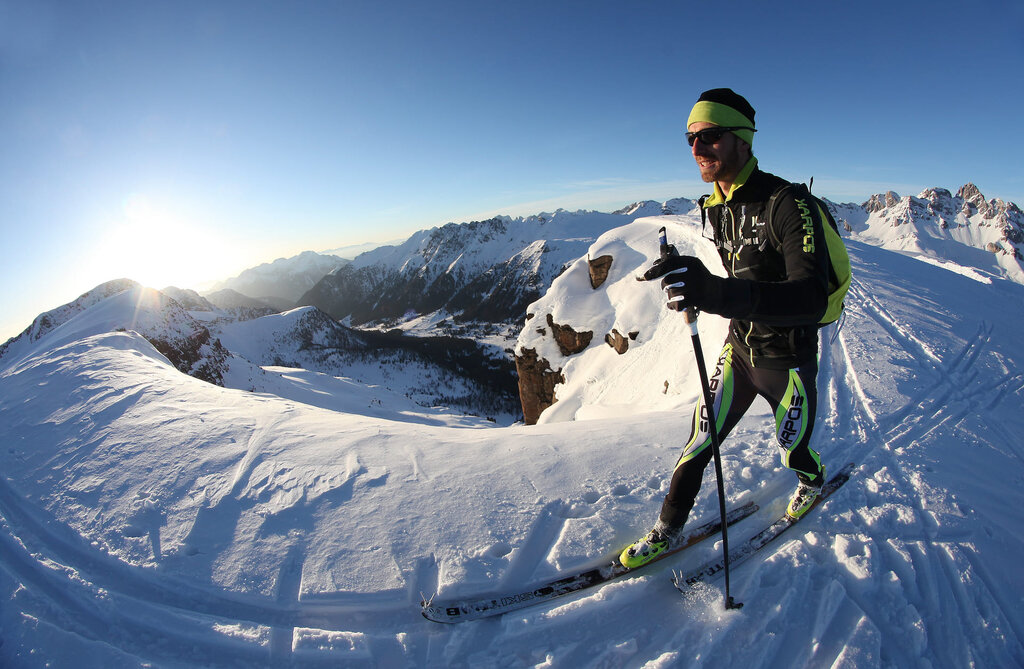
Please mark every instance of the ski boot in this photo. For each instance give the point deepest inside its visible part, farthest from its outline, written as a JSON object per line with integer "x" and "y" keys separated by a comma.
{"x": 806, "y": 493}
{"x": 647, "y": 548}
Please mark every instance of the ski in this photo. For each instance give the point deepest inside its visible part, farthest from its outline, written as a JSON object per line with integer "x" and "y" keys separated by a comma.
{"x": 684, "y": 581}
{"x": 458, "y": 611}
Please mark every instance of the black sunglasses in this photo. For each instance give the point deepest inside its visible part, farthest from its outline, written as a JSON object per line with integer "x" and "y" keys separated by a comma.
{"x": 712, "y": 135}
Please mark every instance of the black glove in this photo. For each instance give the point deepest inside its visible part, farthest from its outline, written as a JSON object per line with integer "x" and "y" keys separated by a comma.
{"x": 689, "y": 284}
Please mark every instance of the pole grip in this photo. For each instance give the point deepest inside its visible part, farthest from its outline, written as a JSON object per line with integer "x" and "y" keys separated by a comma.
{"x": 690, "y": 315}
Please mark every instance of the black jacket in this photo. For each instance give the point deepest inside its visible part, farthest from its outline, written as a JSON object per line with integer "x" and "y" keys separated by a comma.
{"x": 778, "y": 283}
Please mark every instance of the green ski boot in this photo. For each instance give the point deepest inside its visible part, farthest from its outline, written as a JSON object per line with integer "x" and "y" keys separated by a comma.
{"x": 647, "y": 548}
{"x": 804, "y": 497}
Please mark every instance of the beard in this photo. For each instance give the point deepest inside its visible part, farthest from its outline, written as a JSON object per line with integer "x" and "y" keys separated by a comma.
{"x": 722, "y": 166}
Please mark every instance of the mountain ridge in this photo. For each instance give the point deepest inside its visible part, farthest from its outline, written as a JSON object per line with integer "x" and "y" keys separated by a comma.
{"x": 284, "y": 280}
{"x": 922, "y": 224}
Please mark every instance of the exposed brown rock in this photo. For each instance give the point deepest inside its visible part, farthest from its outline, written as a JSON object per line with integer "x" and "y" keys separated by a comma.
{"x": 617, "y": 341}
{"x": 599, "y": 268}
{"x": 196, "y": 354}
{"x": 537, "y": 380}
{"x": 569, "y": 341}
{"x": 537, "y": 383}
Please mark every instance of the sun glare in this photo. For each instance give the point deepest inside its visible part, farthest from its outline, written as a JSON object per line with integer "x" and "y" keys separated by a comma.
{"x": 158, "y": 247}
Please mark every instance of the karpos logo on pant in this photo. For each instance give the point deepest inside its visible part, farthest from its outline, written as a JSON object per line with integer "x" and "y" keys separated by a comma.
{"x": 791, "y": 427}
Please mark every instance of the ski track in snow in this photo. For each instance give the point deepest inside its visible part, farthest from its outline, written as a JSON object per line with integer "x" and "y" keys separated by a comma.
{"x": 936, "y": 610}
{"x": 115, "y": 602}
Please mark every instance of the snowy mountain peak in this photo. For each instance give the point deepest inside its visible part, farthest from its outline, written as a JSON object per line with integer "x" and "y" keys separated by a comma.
{"x": 189, "y": 299}
{"x": 879, "y": 202}
{"x": 48, "y": 321}
{"x": 124, "y": 305}
{"x": 643, "y": 208}
{"x": 940, "y": 202}
{"x": 970, "y": 193}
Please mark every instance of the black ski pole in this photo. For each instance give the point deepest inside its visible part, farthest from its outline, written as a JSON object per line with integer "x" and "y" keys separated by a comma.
{"x": 690, "y": 315}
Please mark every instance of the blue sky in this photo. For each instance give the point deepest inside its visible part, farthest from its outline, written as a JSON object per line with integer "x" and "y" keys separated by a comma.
{"x": 179, "y": 142}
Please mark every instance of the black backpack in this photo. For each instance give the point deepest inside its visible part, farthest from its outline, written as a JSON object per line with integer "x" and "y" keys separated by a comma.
{"x": 840, "y": 274}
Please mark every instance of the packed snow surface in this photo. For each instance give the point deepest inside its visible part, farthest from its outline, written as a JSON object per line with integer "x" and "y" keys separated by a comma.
{"x": 149, "y": 518}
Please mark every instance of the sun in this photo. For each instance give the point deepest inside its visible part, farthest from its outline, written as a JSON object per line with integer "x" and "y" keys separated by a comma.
{"x": 156, "y": 246}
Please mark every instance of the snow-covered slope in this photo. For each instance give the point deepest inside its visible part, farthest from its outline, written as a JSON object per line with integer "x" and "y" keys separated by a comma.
{"x": 651, "y": 374}
{"x": 125, "y": 305}
{"x": 147, "y": 517}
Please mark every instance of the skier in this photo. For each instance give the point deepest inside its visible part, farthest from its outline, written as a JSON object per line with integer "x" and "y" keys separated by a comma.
{"x": 775, "y": 295}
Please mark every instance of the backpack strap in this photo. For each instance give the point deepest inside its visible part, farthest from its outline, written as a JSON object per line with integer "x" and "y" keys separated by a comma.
{"x": 723, "y": 244}
{"x": 703, "y": 214}
{"x": 826, "y": 220}
{"x": 773, "y": 202}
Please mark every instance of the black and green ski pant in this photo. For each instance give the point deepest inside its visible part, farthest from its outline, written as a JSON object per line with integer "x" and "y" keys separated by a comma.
{"x": 792, "y": 395}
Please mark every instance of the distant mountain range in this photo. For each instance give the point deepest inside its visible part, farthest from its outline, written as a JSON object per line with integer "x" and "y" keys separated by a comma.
{"x": 281, "y": 283}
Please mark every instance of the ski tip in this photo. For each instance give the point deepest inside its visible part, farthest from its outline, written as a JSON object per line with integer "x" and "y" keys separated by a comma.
{"x": 441, "y": 615}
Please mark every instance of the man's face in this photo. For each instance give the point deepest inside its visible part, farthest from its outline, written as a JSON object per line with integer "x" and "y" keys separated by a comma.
{"x": 721, "y": 161}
